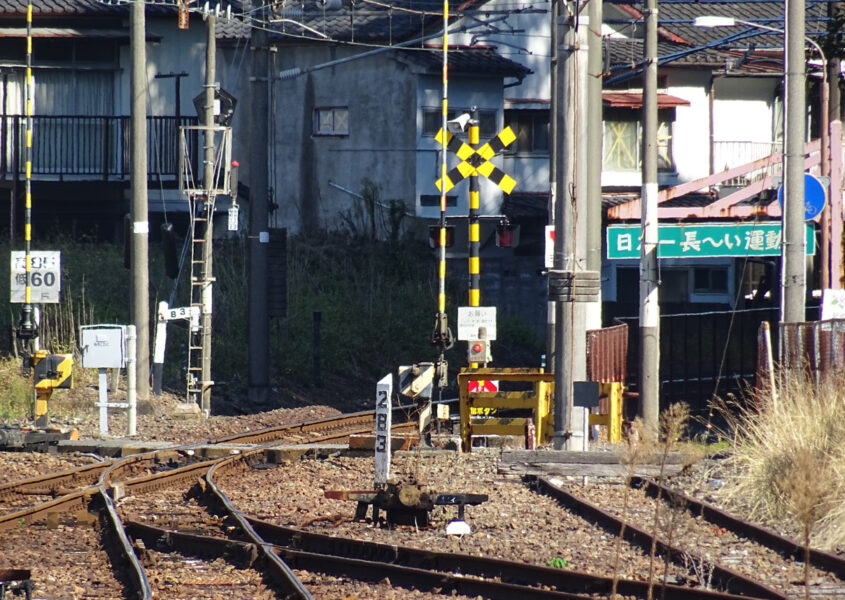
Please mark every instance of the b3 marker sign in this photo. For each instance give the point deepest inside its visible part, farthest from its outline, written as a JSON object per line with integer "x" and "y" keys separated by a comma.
{"x": 45, "y": 276}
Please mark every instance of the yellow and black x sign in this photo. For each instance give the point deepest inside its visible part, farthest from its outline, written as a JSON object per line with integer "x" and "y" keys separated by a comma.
{"x": 478, "y": 161}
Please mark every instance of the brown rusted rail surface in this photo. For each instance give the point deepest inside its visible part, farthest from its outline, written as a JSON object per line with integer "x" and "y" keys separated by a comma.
{"x": 570, "y": 583}
{"x": 763, "y": 536}
{"x": 364, "y": 570}
{"x": 564, "y": 580}
{"x": 282, "y": 572}
{"x": 56, "y": 483}
{"x": 722, "y": 576}
{"x": 360, "y": 422}
{"x": 127, "y": 556}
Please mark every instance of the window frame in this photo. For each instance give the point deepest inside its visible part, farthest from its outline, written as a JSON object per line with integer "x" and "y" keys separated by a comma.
{"x": 665, "y": 149}
{"x": 532, "y": 118}
{"x": 334, "y": 110}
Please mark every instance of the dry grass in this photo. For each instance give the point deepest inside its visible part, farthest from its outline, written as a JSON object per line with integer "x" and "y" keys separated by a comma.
{"x": 788, "y": 459}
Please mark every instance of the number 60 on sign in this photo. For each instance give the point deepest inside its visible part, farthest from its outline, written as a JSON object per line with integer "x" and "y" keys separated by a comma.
{"x": 45, "y": 276}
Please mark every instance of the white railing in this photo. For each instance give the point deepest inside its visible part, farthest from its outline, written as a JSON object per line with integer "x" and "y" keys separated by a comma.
{"x": 727, "y": 155}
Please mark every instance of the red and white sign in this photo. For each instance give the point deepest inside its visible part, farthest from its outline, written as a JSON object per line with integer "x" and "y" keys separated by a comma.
{"x": 483, "y": 386}
{"x": 550, "y": 246}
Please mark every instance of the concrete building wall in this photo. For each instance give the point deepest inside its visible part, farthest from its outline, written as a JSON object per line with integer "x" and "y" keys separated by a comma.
{"x": 380, "y": 144}
{"x": 177, "y": 50}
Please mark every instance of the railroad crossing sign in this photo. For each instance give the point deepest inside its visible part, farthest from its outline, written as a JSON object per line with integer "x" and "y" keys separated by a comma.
{"x": 478, "y": 161}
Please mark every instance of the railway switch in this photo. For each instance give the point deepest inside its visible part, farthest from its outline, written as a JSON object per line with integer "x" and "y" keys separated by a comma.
{"x": 405, "y": 503}
{"x": 50, "y": 372}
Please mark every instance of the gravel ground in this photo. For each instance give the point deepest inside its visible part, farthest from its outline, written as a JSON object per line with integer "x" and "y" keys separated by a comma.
{"x": 515, "y": 522}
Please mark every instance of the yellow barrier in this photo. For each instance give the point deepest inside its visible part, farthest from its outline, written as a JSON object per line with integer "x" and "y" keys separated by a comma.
{"x": 611, "y": 393}
{"x": 539, "y": 400}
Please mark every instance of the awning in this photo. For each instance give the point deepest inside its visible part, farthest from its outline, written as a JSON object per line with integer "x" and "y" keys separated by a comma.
{"x": 635, "y": 100}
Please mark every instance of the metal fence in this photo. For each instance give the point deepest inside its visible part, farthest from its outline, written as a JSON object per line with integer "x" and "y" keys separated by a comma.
{"x": 709, "y": 354}
{"x": 90, "y": 147}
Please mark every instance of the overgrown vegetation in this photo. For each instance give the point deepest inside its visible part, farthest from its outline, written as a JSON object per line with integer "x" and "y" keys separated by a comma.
{"x": 376, "y": 300}
{"x": 788, "y": 456}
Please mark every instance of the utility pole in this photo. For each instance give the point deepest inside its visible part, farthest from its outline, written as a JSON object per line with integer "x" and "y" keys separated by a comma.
{"x": 793, "y": 275}
{"x": 833, "y": 67}
{"x": 210, "y": 186}
{"x": 564, "y": 246}
{"x": 594, "y": 151}
{"x": 259, "y": 334}
{"x": 139, "y": 246}
{"x": 649, "y": 307}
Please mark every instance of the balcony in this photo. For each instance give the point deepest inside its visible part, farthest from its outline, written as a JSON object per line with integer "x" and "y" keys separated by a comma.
{"x": 727, "y": 155}
{"x": 79, "y": 148}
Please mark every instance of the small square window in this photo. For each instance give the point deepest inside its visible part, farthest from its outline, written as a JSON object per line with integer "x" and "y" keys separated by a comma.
{"x": 710, "y": 280}
{"x": 331, "y": 121}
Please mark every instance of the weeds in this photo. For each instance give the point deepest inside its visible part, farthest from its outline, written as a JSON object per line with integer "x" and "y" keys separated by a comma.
{"x": 788, "y": 457}
{"x": 673, "y": 422}
{"x": 640, "y": 444}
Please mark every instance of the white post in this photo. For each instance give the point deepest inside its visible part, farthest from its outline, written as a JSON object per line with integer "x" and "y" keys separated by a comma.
{"x": 384, "y": 393}
{"x": 103, "y": 383}
{"x": 131, "y": 377}
{"x": 158, "y": 348}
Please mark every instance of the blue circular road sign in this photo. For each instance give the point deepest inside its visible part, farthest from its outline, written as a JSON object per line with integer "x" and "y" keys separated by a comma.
{"x": 814, "y": 197}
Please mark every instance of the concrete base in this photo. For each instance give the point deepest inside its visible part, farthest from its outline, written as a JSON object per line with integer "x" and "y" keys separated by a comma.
{"x": 186, "y": 410}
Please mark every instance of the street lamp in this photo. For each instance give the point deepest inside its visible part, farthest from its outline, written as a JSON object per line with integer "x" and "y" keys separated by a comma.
{"x": 793, "y": 279}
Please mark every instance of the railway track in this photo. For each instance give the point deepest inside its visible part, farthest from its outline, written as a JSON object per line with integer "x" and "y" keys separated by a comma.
{"x": 164, "y": 526}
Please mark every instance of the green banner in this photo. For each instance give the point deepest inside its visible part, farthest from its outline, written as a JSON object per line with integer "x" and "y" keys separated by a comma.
{"x": 704, "y": 240}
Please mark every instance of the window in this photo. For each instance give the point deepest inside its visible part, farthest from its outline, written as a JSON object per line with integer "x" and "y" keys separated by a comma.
{"x": 710, "y": 280}
{"x": 331, "y": 121}
{"x": 623, "y": 141}
{"x": 433, "y": 119}
{"x": 434, "y": 200}
{"x": 532, "y": 131}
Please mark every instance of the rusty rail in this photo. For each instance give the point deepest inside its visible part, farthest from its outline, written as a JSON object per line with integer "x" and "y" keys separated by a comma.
{"x": 723, "y": 576}
{"x": 763, "y": 536}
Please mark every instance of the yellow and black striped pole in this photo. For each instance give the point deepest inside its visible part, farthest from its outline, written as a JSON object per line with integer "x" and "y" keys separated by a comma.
{"x": 474, "y": 227}
{"x": 27, "y": 329}
{"x": 441, "y": 295}
{"x": 442, "y": 336}
{"x": 474, "y": 235}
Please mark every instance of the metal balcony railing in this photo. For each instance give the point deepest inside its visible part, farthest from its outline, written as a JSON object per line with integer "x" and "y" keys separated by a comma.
{"x": 85, "y": 147}
{"x": 730, "y": 154}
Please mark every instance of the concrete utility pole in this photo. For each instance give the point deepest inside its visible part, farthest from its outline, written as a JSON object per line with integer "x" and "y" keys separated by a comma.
{"x": 259, "y": 334}
{"x": 139, "y": 246}
{"x": 570, "y": 285}
{"x": 835, "y": 117}
{"x": 210, "y": 185}
{"x": 594, "y": 151}
{"x": 793, "y": 274}
{"x": 564, "y": 246}
{"x": 649, "y": 307}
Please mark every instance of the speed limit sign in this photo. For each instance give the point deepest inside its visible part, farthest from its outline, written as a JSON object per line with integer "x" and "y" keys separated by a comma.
{"x": 45, "y": 273}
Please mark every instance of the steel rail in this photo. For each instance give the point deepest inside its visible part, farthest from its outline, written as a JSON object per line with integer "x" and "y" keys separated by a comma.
{"x": 565, "y": 580}
{"x": 84, "y": 476}
{"x": 138, "y": 576}
{"x": 763, "y": 536}
{"x": 517, "y": 573}
{"x": 364, "y": 570}
{"x": 77, "y": 501}
{"x": 325, "y": 424}
{"x": 283, "y": 575}
{"x": 726, "y": 578}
